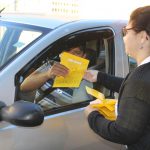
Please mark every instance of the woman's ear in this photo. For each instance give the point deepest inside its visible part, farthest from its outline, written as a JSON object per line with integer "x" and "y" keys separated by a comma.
{"x": 144, "y": 39}
{"x": 147, "y": 37}
{"x": 143, "y": 36}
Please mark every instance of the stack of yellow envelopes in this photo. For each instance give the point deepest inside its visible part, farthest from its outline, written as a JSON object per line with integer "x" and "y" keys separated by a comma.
{"x": 105, "y": 106}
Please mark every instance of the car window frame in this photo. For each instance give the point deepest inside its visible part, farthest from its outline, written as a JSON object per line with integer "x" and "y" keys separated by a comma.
{"x": 80, "y": 104}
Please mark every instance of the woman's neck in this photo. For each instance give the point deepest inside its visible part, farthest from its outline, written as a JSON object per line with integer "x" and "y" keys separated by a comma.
{"x": 141, "y": 57}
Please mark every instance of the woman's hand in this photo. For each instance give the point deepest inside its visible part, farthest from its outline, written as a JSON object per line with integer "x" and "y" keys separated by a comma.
{"x": 91, "y": 75}
{"x": 89, "y": 109}
{"x": 97, "y": 101}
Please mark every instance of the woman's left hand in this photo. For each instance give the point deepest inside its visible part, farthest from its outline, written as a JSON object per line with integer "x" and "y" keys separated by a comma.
{"x": 89, "y": 109}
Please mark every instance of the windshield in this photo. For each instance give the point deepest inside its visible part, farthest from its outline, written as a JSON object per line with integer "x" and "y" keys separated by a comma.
{"x": 15, "y": 37}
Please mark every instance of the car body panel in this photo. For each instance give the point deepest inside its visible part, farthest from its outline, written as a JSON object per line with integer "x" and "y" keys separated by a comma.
{"x": 63, "y": 134}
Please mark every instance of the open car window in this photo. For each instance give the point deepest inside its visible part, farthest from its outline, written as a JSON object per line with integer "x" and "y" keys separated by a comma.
{"x": 99, "y": 51}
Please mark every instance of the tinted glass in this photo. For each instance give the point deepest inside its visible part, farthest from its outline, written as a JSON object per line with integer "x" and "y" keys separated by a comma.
{"x": 14, "y": 38}
{"x": 132, "y": 64}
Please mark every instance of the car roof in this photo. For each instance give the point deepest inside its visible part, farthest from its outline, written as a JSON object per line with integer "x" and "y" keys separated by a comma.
{"x": 47, "y": 22}
{"x": 32, "y": 20}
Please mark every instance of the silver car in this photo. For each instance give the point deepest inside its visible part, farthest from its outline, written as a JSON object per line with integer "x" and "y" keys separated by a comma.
{"x": 27, "y": 43}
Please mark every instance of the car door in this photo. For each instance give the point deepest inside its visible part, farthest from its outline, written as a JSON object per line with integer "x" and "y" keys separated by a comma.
{"x": 65, "y": 127}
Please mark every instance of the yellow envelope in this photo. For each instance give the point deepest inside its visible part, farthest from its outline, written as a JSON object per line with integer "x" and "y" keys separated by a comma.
{"x": 76, "y": 65}
{"x": 95, "y": 93}
{"x": 109, "y": 103}
{"x": 106, "y": 106}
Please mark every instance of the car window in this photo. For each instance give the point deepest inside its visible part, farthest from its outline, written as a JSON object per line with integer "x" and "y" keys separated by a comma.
{"x": 97, "y": 49}
{"x": 14, "y": 38}
{"x": 2, "y": 32}
{"x": 132, "y": 64}
{"x": 25, "y": 38}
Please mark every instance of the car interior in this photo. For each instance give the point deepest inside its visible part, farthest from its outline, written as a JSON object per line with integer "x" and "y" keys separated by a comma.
{"x": 99, "y": 47}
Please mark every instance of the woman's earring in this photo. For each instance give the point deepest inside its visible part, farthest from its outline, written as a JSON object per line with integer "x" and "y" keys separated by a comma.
{"x": 141, "y": 47}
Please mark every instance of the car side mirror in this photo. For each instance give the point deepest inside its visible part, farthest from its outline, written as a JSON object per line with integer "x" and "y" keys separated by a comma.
{"x": 22, "y": 113}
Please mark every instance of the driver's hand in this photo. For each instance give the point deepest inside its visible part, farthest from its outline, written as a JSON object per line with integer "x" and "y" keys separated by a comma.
{"x": 57, "y": 70}
{"x": 91, "y": 75}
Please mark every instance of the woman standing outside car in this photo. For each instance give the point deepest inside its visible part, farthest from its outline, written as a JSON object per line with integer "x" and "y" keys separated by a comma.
{"x": 132, "y": 126}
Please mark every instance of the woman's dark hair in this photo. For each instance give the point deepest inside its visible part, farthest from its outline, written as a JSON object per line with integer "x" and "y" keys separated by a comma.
{"x": 140, "y": 19}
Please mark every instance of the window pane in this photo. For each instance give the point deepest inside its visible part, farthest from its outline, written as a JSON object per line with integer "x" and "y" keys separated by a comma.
{"x": 2, "y": 32}
{"x": 132, "y": 64}
{"x": 13, "y": 39}
{"x": 26, "y": 37}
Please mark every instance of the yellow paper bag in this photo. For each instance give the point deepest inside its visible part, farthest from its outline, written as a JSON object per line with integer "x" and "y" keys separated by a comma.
{"x": 76, "y": 65}
{"x": 95, "y": 93}
{"x": 107, "y": 110}
{"x": 105, "y": 106}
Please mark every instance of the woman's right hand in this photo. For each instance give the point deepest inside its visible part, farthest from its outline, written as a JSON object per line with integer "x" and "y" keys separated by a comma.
{"x": 91, "y": 75}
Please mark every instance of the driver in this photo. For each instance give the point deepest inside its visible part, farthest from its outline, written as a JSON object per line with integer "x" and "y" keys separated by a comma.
{"x": 47, "y": 72}
{"x": 36, "y": 84}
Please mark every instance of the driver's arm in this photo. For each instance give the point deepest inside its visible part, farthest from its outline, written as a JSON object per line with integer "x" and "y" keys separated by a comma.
{"x": 38, "y": 78}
